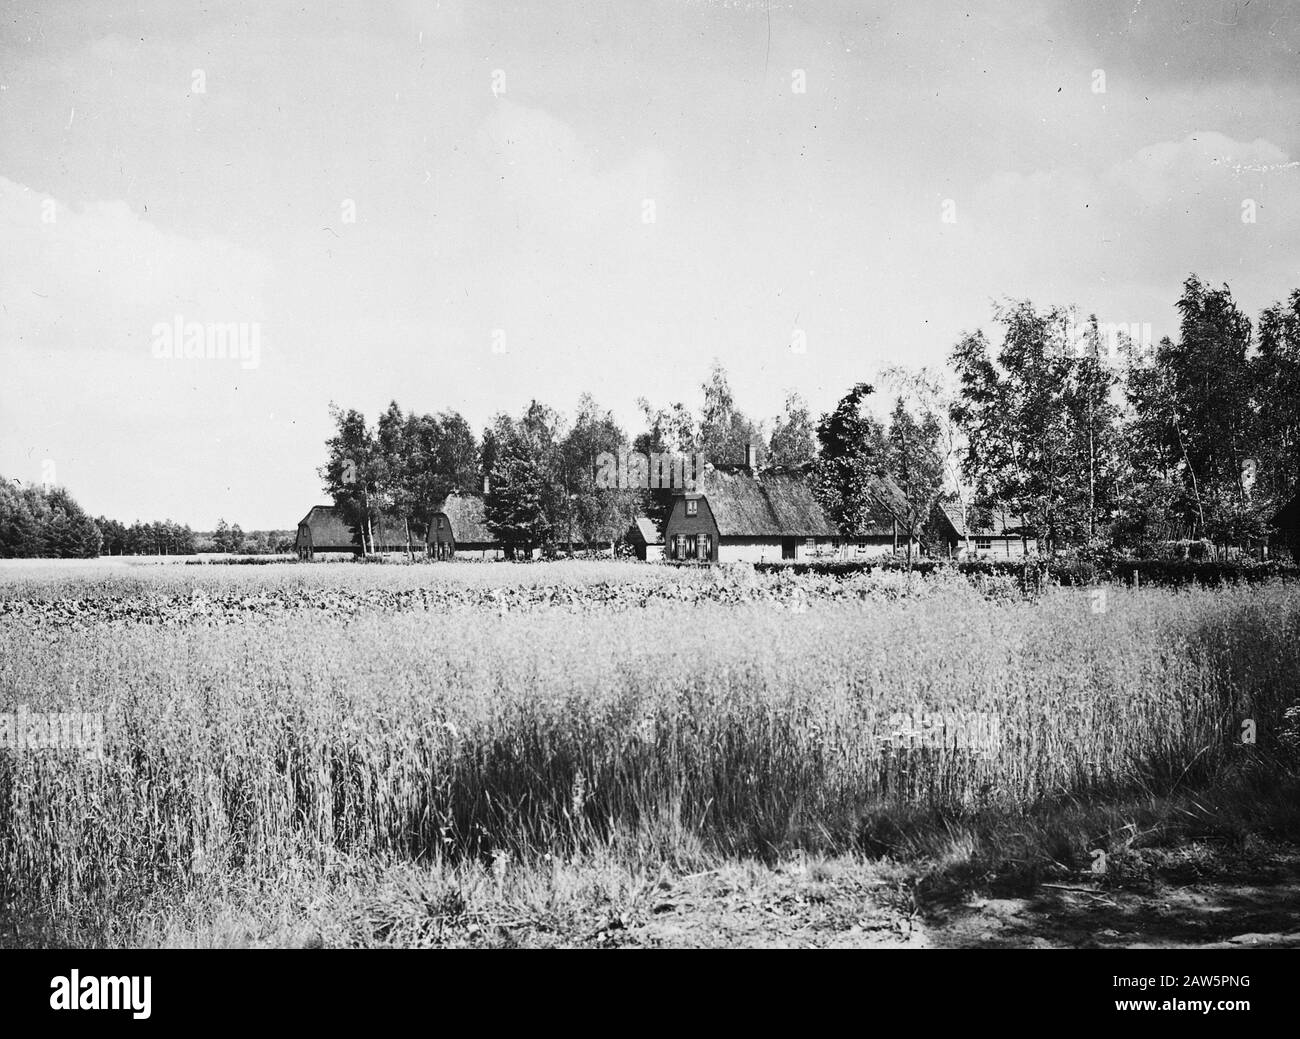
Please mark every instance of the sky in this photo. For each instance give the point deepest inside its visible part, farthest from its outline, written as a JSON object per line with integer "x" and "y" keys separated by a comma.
{"x": 471, "y": 205}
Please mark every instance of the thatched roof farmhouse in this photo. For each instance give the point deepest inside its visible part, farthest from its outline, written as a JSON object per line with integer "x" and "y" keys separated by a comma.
{"x": 738, "y": 513}
{"x": 459, "y": 528}
{"x": 326, "y": 531}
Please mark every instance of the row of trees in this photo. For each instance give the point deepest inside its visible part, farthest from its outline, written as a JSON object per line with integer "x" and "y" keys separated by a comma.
{"x": 46, "y": 522}
{"x": 146, "y": 539}
{"x": 1195, "y": 439}
{"x": 174, "y": 539}
{"x": 1079, "y": 433}
{"x": 1083, "y": 436}
{"x": 540, "y": 468}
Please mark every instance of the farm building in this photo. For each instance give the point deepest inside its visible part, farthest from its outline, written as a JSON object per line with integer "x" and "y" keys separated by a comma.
{"x": 1001, "y": 537}
{"x": 737, "y": 513}
{"x": 884, "y": 531}
{"x": 645, "y": 539}
{"x": 326, "y": 531}
{"x": 459, "y": 529}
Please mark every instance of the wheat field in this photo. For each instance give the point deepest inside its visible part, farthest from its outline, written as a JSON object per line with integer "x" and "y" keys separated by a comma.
{"x": 254, "y": 721}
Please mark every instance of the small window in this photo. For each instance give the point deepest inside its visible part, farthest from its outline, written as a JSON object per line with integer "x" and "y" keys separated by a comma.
{"x": 984, "y": 544}
{"x": 440, "y": 523}
{"x": 692, "y": 507}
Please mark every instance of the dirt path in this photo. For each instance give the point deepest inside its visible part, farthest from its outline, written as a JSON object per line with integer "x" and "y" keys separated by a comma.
{"x": 830, "y": 906}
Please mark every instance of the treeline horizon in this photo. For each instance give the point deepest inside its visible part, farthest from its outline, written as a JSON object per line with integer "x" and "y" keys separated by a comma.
{"x": 1101, "y": 442}
{"x": 1079, "y": 434}
{"x": 39, "y": 522}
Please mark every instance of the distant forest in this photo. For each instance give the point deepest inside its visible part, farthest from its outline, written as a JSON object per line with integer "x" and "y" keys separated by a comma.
{"x": 45, "y": 522}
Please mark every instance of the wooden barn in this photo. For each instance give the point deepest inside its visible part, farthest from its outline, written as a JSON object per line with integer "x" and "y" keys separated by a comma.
{"x": 326, "y": 531}
{"x": 1002, "y": 537}
{"x": 458, "y": 529}
{"x": 645, "y": 539}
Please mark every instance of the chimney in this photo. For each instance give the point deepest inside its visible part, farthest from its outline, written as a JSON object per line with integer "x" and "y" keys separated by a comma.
{"x": 751, "y": 456}
{"x": 487, "y": 485}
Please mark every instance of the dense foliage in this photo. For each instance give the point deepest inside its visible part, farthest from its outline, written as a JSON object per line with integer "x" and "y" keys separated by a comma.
{"x": 38, "y": 521}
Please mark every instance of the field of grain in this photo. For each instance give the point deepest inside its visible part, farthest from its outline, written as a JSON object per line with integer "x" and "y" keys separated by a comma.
{"x": 263, "y": 722}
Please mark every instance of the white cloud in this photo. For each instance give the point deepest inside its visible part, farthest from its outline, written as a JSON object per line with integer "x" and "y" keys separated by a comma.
{"x": 1146, "y": 221}
{"x": 97, "y": 276}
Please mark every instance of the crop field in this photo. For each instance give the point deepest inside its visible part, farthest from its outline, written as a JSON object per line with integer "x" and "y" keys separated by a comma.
{"x": 314, "y": 738}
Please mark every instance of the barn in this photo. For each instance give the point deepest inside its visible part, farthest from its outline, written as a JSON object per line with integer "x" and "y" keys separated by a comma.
{"x": 645, "y": 539}
{"x": 459, "y": 530}
{"x": 325, "y": 531}
{"x": 1001, "y": 537}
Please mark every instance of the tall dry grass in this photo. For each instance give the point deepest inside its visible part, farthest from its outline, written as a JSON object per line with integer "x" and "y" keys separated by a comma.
{"x": 750, "y": 729}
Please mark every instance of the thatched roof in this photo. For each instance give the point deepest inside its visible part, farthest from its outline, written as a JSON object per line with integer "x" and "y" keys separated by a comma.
{"x": 887, "y": 503}
{"x": 329, "y": 528}
{"x": 1002, "y": 524}
{"x": 643, "y": 527}
{"x": 464, "y": 513}
{"x": 776, "y": 502}
{"x": 391, "y": 533}
{"x": 780, "y": 502}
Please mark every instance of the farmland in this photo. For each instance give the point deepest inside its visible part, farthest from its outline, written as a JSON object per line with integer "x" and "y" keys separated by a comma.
{"x": 466, "y": 754}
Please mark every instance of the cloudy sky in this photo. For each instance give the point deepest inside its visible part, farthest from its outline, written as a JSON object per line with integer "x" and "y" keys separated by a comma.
{"x": 614, "y": 193}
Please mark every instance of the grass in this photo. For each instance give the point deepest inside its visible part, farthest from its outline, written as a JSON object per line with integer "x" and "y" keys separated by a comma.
{"x": 545, "y": 761}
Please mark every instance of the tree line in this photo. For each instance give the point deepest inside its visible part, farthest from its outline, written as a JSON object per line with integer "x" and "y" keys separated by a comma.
{"x": 537, "y": 470}
{"x": 46, "y": 522}
{"x": 1082, "y": 435}
{"x": 1077, "y": 432}
{"x": 1128, "y": 445}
